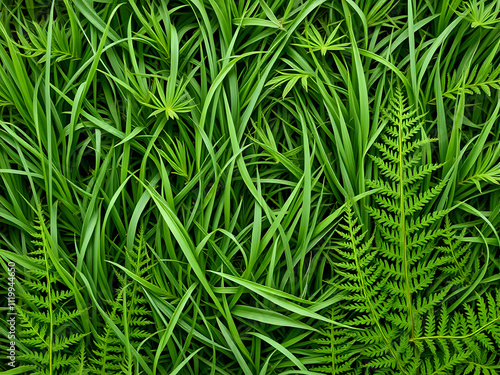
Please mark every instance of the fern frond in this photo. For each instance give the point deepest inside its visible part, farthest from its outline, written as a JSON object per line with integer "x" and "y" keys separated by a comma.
{"x": 461, "y": 341}
{"x": 335, "y": 344}
{"x": 476, "y": 81}
{"x": 407, "y": 233}
{"x": 49, "y": 348}
{"x": 130, "y": 312}
{"x": 460, "y": 268}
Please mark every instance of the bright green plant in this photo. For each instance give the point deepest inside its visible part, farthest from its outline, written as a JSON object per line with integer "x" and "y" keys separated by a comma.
{"x": 130, "y": 312}
{"x": 392, "y": 279}
{"x": 290, "y": 194}
{"x": 48, "y": 326}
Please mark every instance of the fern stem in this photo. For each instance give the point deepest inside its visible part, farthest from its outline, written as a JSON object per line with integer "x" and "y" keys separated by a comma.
{"x": 403, "y": 244}
{"x": 457, "y": 337}
{"x": 332, "y": 348}
{"x": 49, "y": 298}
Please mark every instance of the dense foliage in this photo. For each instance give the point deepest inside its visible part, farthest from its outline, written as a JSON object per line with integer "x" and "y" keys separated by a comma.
{"x": 251, "y": 187}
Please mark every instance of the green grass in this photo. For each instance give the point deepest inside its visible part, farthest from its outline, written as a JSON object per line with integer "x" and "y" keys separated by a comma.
{"x": 251, "y": 187}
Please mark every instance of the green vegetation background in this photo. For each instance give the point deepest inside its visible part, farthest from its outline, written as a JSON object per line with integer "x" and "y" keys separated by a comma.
{"x": 251, "y": 187}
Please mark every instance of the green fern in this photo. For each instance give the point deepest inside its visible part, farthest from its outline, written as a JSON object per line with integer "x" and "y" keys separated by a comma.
{"x": 460, "y": 269}
{"x": 405, "y": 234}
{"x": 35, "y": 46}
{"x": 482, "y": 78}
{"x": 445, "y": 343}
{"x": 367, "y": 305}
{"x": 393, "y": 279}
{"x": 335, "y": 346}
{"x": 476, "y": 82}
{"x": 130, "y": 312}
{"x": 45, "y": 320}
{"x": 466, "y": 342}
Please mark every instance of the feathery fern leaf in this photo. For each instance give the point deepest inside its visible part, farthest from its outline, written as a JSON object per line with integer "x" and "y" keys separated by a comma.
{"x": 46, "y": 323}
{"x": 393, "y": 279}
{"x": 130, "y": 313}
{"x": 460, "y": 268}
{"x": 406, "y": 235}
{"x": 335, "y": 345}
{"x": 466, "y": 341}
{"x": 367, "y": 305}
